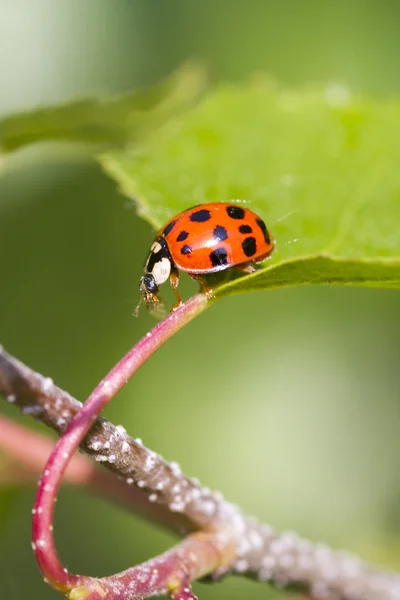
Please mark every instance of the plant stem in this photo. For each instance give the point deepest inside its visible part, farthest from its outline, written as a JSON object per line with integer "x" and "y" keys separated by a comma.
{"x": 42, "y": 522}
{"x": 234, "y": 543}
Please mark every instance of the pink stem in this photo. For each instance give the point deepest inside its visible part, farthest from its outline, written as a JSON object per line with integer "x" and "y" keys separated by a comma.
{"x": 170, "y": 573}
{"x": 42, "y": 522}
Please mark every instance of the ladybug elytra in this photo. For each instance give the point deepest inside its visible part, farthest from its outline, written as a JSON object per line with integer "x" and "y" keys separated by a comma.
{"x": 204, "y": 239}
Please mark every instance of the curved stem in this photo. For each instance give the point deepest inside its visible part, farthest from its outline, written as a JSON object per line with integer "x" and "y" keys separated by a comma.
{"x": 43, "y": 511}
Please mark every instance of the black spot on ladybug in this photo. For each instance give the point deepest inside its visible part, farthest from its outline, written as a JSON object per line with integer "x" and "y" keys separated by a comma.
{"x": 235, "y": 212}
{"x": 249, "y": 246}
{"x": 169, "y": 228}
{"x": 264, "y": 229}
{"x": 220, "y": 234}
{"x": 186, "y": 249}
{"x": 219, "y": 257}
{"x": 182, "y": 236}
{"x": 245, "y": 229}
{"x": 200, "y": 216}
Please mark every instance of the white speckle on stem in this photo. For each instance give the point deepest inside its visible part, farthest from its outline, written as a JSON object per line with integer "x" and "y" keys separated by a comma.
{"x": 177, "y": 506}
{"x": 125, "y": 447}
{"x": 47, "y": 385}
{"x": 241, "y": 565}
{"x": 175, "y": 468}
{"x": 101, "y": 458}
{"x": 277, "y": 546}
{"x": 95, "y": 445}
{"x": 256, "y": 539}
{"x": 149, "y": 463}
{"x": 195, "y": 493}
{"x": 207, "y": 508}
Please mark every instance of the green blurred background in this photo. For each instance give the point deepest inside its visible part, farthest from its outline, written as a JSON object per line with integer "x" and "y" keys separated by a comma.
{"x": 286, "y": 401}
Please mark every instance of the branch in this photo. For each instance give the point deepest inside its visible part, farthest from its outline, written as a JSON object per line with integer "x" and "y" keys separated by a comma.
{"x": 28, "y": 452}
{"x": 283, "y": 559}
{"x": 169, "y": 573}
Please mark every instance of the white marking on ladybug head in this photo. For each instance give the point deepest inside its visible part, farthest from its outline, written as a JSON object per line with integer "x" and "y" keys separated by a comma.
{"x": 161, "y": 270}
{"x": 156, "y": 247}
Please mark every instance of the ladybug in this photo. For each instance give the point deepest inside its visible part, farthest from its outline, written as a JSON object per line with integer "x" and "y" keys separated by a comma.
{"x": 204, "y": 239}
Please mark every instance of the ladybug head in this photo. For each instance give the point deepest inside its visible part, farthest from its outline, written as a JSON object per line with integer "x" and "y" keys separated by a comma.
{"x": 148, "y": 292}
{"x": 148, "y": 285}
{"x": 157, "y": 270}
{"x": 148, "y": 289}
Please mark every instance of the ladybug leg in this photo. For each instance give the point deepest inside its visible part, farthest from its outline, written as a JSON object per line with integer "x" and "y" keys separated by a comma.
{"x": 203, "y": 284}
{"x": 174, "y": 281}
{"x": 246, "y": 268}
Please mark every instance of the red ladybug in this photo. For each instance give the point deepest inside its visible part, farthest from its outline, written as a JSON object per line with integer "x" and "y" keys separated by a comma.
{"x": 204, "y": 239}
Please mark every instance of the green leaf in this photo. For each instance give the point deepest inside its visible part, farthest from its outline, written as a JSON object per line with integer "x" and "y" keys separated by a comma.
{"x": 112, "y": 121}
{"x": 320, "y": 166}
